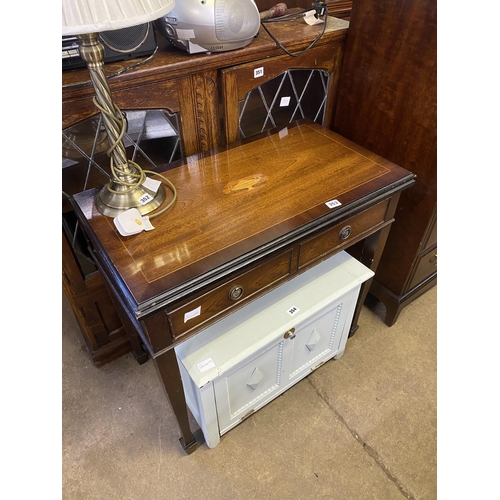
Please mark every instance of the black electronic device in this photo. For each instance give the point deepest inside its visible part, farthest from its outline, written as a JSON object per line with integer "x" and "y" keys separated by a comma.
{"x": 119, "y": 45}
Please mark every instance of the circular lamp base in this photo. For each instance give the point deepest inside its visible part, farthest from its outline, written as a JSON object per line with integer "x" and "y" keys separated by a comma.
{"x": 112, "y": 204}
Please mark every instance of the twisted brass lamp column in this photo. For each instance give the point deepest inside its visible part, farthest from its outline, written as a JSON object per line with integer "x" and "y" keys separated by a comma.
{"x": 125, "y": 190}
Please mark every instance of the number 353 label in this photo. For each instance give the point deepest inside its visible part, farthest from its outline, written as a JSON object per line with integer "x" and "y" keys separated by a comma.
{"x": 333, "y": 203}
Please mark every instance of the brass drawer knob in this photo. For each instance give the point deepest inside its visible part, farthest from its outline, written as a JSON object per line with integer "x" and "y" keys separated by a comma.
{"x": 290, "y": 334}
{"x": 345, "y": 232}
{"x": 236, "y": 292}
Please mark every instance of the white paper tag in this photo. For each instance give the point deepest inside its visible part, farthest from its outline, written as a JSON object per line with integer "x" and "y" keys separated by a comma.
{"x": 185, "y": 34}
{"x": 192, "y": 314}
{"x": 145, "y": 199}
{"x": 206, "y": 365}
{"x": 152, "y": 184}
{"x": 333, "y": 203}
{"x": 132, "y": 222}
{"x": 293, "y": 310}
{"x": 310, "y": 19}
{"x": 258, "y": 72}
{"x": 147, "y": 223}
{"x": 285, "y": 101}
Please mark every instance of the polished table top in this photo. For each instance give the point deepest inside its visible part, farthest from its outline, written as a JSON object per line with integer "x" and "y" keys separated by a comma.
{"x": 237, "y": 204}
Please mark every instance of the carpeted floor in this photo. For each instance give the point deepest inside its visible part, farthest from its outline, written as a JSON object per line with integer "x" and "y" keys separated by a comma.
{"x": 361, "y": 427}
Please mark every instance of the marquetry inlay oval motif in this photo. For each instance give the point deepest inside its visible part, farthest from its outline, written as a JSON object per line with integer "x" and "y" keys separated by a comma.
{"x": 245, "y": 184}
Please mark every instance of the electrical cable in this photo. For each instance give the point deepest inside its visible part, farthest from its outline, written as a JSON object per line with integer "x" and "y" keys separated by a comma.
{"x": 139, "y": 175}
{"x": 291, "y": 17}
{"x": 172, "y": 188}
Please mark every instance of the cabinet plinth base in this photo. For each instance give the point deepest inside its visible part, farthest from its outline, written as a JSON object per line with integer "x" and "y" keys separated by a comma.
{"x": 393, "y": 303}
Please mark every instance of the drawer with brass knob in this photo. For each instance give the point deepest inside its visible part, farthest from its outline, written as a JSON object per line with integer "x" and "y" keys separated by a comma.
{"x": 229, "y": 294}
{"x": 326, "y": 242}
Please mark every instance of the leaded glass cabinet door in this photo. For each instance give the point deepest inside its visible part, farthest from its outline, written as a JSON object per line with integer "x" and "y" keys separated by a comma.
{"x": 277, "y": 91}
{"x": 152, "y": 138}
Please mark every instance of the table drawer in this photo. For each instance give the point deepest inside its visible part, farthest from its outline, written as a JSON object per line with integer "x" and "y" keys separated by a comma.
{"x": 208, "y": 306}
{"x": 342, "y": 234}
{"x": 431, "y": 237}
{"x": 426, "y": 265}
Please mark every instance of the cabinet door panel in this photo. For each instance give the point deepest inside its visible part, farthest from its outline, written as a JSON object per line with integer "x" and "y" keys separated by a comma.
{"x": 273, "y": 92}
{"x": 160, "y": 95}
{"x": 316, "y": 341}
{"x": 248, "y": 387}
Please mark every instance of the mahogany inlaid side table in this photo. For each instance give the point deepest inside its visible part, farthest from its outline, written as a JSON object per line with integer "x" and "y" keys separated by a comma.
{"x": 248, "y": 217}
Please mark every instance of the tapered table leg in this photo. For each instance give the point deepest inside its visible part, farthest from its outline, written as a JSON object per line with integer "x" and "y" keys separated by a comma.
{"x": 168, "y": 371}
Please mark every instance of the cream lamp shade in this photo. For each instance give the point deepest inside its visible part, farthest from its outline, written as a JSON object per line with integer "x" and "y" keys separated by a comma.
{"x": 95, "y": 16}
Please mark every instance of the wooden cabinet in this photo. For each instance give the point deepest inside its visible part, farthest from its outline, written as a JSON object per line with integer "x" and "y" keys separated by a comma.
{"x": 99, "y": 322}
{"x": 387, "y": 103}
{"x": 187, "y": 90}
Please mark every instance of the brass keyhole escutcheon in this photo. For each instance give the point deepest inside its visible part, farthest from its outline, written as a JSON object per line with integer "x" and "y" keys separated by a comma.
{"x": 290, "y": 334}
{"x": 236, "y": 292}
{"x": 345, "y": 232}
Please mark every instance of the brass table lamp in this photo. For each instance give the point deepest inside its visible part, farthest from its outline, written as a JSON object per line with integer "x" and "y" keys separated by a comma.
{"x": 86, "y": 19}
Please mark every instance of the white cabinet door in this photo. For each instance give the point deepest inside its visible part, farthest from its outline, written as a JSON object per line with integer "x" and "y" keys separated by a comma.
{"x": 249, "y": 386}
{"x": 315, "y": 341}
